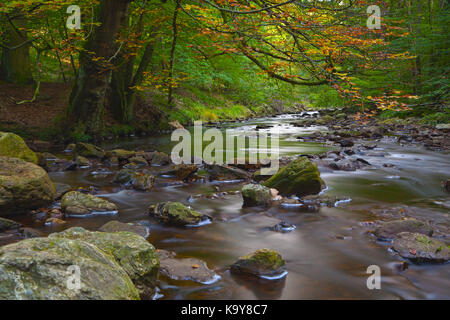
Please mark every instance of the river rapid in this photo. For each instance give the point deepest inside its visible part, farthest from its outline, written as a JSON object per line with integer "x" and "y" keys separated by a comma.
{"x": 328, "y": 253}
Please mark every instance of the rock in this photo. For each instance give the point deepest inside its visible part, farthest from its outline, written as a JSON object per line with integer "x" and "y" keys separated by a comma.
{"x": 82, "y": 161}
{"x": 301, "y": 177}
{"x": 421, "y": 249}
{"x": 6, "y": 224}
{"x": 11, "y": 145}
{"x": 135, "y": 255}
{"x": 117, "y": 226}
{"x": 89, "y": 150}
{"x": 222, "y": 172}
{"x": 23, "y": 185}
{"x": 256, "y": 195}
{"x": 61, "y": 189}
{"x": 39, "y": 269}
{"x": 185, "y": 269}
{"x": 54, "y": 222}
{"x": 264, "y": 263}
{"x": 77, "y": 203}
{"x": 388, "y": 230}
{"x": 175, "y": 125}
{"x": 175, "y": 213}
{"x": 156, "y": 158}
{"x": 120, "y": 154}
{"x": 139, "y": 161}
{"x": 138, "y": 180}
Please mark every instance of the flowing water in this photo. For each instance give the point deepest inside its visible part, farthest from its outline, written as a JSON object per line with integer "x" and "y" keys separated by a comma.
{"x": 328, "y": 253}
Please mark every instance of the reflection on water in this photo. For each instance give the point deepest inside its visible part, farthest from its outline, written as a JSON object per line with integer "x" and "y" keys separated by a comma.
{"x": 328, "y": 253}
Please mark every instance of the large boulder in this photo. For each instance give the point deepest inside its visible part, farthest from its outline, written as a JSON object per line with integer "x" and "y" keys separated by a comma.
{"x": 421, "y": 249}
{"x": 175, "y": 213}
{"x": 11, "y": 145}
{"x": 45, "y": 269}
{"x": 388, "y": 230}
{"x": 300, "y": 177}
{"x": 132, "y": 252}
{"x": 89, "y": 150}
{"x": 256, "y": 195}
{"x": 263, "y": 263}
{"x": 77, "y": 203}
{"x": 23, "y": 185}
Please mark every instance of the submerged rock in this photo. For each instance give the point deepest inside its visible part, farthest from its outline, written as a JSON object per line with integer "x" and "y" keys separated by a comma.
{"x": 11, "y": 145}
{"x": 256, "y": 195}
{"x": 136, "y": 256}
{"x": 185, "y": 269}
{"x": 89, "y": 150}
{"x": 78, "y": 203}
{"x": 421, "y": 249}
{"x": 175, "y": 213}
{"x": 117, "y": 226}
{"x": 39, "y": 269}
{"x": 23, "y": 185}
{"x": 301, "y": 177}
{"x": 388, "y": 230}
{"x": 264, "y": 263}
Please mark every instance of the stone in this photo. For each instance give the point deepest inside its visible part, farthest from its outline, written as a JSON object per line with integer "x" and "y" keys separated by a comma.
{"x": 256, "y": 195}
{"x": 135, "y": 255}
{"x": 420, "y": 248}
{"x": 38, "y": 269}
{"x": 11, "y": 145}
{"x": 300, "y": 177}
{"x": 23, "y": 186}
{"x": 265, "y": 263}
{"x": 117, "y": 226}
{"x": 175, "y": 213}
{"x": 77, "y": 203}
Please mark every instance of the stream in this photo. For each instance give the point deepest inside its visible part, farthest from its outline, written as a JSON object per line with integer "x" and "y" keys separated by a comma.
{"x": 328, "y": 253}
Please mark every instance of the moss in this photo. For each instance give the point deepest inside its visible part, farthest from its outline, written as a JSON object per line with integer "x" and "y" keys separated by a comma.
{"x": 300, "y": 177}
{"x": 11, "y": 145}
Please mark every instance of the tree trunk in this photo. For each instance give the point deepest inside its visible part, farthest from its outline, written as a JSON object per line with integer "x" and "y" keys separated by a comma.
{"x": 86, "y": 103}
{"x": 15, "y": 62}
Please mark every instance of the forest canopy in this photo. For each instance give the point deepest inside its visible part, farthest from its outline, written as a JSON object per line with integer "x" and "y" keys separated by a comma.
{"x": 321, "y": 52}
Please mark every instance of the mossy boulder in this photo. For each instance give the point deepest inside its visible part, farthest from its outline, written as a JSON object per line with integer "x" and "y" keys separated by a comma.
{"x": 420, "y": 248}
{"x": 11, "y": 145}
{"x": 89, "y": 150}
{"x": 117, "y": 226}
{"x": 132, "y": 252}
{"x": 78, "y": 203}
{"x": 266, "y": 263}
{"x": 175, "y": 213}
{"x": 40, "y": 269}
{"x": 256, "y": 195}
{"x": 23, "y": 186}
{"x": 388, "y": 230}
{"x": 300, "y": 177}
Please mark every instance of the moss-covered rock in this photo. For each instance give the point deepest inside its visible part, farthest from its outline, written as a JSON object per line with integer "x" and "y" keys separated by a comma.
{"x": 175, "y": 213}
{"x": 117, "y": 226}
{"x": 256, "y": 195}
{"x": 132, "y": 252}
{"x": 388, "y": 230}
{"x": 77, "y": 203}
{"x": 301, "y": 177}
{"x": 23, "y": 185}
{"x": 11, "y": 145}
{"x": 39, "y": 268}
{"x": 420, "y": 248}
{"x": 264, "y": 263}
{"x": 89, "y": 150}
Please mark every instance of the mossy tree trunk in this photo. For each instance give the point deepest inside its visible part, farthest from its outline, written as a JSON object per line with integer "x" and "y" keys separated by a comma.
{"x": 15, "y": 64}
{"x": 85, "y": 113}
